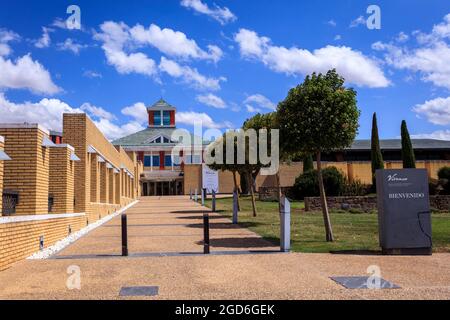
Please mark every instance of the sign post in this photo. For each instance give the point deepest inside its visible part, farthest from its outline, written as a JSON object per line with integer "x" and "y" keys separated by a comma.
{"x": 213, "y": 206}
{"x": 235, "y": 207}
{"x": 210, "y": 179}
{"x": 285, "y": 224}
{"x": 404, "y": 212}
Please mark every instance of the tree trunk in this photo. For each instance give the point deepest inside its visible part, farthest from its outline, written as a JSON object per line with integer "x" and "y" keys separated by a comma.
{"x": 323, "y": 200}
{"x": 252, "y": 191}
{"x": 279, "y": 189}
{"x": 236, "y": 188}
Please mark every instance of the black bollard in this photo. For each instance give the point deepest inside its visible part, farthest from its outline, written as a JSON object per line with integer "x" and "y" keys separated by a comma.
{"x": 213, "y": 205}
{"x": 206, "y": 233}
{"x": 124, "y": 236}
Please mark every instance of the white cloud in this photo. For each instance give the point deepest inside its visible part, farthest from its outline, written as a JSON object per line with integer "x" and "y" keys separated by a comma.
{"x": 7, "y": 36}
{"x": 44, "y": 41}
{"x": 97, "y": 112}
{"x": 25, "y": 73}
{"x": 355, "y": 67}
{"x": 115, "y": 36}
{"x": 212, "y": 101}
{"x": 71, "y": 45}
{"x": 357, "y": 22}
{"x": 189, "y": 75}
{"x": 337, "y": 37}
{"x": 173, "y": 43}
{"x": 402, "y": 37}
{"x": 138, "y": 111}
{"x": 260, "y": 101}
{"x": 190, "y": 118}
{"x": 429, "y": 58}
{"x": 49, "y": 113}
{"x": 438, "y": 135}
{"x": 92, "y": 74}
{"x": 332, "y": 23}
{"x": 437, "y": 111}
{"x": 222, "y": 15}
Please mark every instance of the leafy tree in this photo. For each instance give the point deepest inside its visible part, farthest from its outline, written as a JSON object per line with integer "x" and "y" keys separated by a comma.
{"x": 375, "y": 153}
{"x": 306, "y": 184}
{"x": 319, "y": 115}
{"x": 308, "y": 163}
{"x": 409, "y": 160}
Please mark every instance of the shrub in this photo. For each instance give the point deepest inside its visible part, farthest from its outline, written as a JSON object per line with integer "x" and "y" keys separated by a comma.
{"x": 354, "y": 188}
{"x": 444, "y": 179}
{"x": 307, "y": 185}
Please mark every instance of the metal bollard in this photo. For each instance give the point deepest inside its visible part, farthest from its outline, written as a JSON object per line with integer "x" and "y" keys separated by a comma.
{"x": 285, "y": 224}
{"x": 203, "y": 196}
{"x": 235, "y": 207}
{"x": 124, "y": 236}
{"x": 213, "y": 206}
{"x": 196, "y": 196}
{"x": 205, "y": 233}
{"x": 190, "y": 194}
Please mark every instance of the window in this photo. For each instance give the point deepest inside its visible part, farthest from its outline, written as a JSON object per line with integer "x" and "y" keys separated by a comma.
{"x": 166, "y": 118}
{"x": 168, "y": 161}
{"x": 155, "y": 161}
{"x": 157, "y": 118}
{"x": 147, "y": 161}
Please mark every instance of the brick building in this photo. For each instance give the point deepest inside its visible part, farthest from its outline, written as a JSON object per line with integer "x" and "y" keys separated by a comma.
{"x": 52, "y": 186}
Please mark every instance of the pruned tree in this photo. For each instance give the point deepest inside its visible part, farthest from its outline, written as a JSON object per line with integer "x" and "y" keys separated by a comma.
{"x": 408, "y": 157}
{"x": 319, "y": 115}
{"x": 375, "y": 150}
{"x": 308, "y": 163}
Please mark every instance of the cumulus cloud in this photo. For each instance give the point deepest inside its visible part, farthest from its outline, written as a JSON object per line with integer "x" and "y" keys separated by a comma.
{"x": 44, "y": 41}
{"x": 354, "y": 66}
{"x": 71, "y": 45}
{"x": 438, "y": 135}
{"x": 92, "y": 74}
{"x": 189, "y": 75}
{"x": 25, "y": 73}
{"x": 429, "y": 57}
{"x": 49, "y": 113}
{"x": 212, "y": 101}
{"x": 137, "y": 111}
{"x": 357, "y": 22}
{"x": 115, "y": 37}
{"x": 173, "y": 43}
{"x": 260, "y": 101}
{"x": 190, "y": 118}
{"x": 7, "y": 36}
{"x": 437, "y": 111}
{"x": 222, "y": 15}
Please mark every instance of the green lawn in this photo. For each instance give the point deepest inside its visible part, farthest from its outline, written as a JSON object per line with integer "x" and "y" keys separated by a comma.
{"x": 353, "y": 231}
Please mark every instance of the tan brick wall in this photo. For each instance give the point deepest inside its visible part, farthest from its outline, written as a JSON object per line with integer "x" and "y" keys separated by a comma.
{"x": 21, "y": 239}
{"x": 1, "y": 175}
{"x": 104, "y": 183}
{"x": 28, "y": 171}
{"x": 61, "y": 179}
{"x": 111, "y": 187}
{"x": 95, "y": 178}
{"x": 192, "y": 178}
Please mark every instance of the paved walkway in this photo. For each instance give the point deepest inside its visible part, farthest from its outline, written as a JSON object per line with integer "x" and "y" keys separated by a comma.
{"x": 165, "y": 239}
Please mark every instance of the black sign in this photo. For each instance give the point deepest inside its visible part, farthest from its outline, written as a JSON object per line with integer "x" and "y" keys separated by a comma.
{"x": 404, "y": 211}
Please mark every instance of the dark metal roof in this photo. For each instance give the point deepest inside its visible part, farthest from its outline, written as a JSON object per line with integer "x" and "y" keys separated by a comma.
{"x": 161, "y": 104}
{"x": 144, "y": 137}
{"x": 396, "y": 144}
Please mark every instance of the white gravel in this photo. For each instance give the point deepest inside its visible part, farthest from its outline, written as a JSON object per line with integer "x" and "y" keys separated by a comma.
{"x": 60, "y": 245}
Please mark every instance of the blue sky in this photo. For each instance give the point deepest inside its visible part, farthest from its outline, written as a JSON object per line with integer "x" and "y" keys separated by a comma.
{"x": 222, "y": 61}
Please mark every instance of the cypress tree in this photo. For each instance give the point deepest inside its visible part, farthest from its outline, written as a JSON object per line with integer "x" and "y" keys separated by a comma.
{"x": 308, "y": 163}
{"x": 409, "y": 160}
{"x": 375, "y": 153}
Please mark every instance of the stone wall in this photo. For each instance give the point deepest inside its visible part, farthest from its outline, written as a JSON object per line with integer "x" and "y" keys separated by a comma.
{"x": 368, "y": 204}
{"x": 271, "y": 193}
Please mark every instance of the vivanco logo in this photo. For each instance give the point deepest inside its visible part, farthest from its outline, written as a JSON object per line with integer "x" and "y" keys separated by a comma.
{"x": 394, "y": 177}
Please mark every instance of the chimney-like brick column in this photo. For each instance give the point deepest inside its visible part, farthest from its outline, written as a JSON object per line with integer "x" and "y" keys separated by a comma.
{"x": 61, "y": 178}
{"x": 95, "y": 178}
{"x": 28, "y": 171}
{"x": 104, "y": 183}
{"x": 112, "y": 186}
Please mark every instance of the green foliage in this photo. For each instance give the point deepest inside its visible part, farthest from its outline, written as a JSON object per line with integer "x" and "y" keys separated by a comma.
{"x": 308, "y": 163}
{"x": 375, "y": 153}
{"x": 318, "y": 115}
{"x": 354, "y": 189}
{"x": 409, "y": 160}
{"x": 307, "y": 185}
{"x": 444, "y": 179}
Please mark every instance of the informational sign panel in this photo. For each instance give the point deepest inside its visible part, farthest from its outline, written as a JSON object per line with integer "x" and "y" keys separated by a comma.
{"x": 404, "y": 211}
{"x": 210, "y": 179}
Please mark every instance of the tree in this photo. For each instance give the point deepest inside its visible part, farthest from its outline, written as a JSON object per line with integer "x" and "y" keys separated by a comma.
{"x": 251, "y": 171}
{"x": 409, "y": 160}
{"x": 319, "y": 115}
{"x": 308, "y": 163}
{"x": 375, "y": 152}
